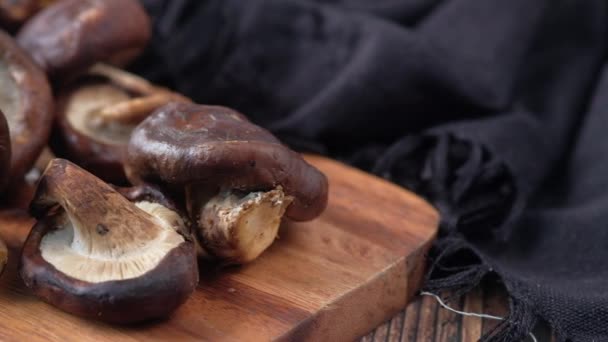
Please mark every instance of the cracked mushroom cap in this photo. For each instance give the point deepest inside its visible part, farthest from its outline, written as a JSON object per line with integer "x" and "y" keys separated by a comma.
{"x": 69, "y": 36}
{"x": 96, "y": 141}
{"x": 26, "y": 103}
{"x": 217, "y": 148}
{"x": 96, "y": 254}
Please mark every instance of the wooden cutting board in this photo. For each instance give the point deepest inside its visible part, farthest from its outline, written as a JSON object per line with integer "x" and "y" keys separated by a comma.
{"x": 331, "y": 279}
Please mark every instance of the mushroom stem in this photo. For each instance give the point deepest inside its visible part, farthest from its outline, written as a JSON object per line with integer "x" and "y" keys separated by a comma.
{"x": 135, "y": 110}
{"x": 237, "y": 227}
{"x": 125, "y": 79}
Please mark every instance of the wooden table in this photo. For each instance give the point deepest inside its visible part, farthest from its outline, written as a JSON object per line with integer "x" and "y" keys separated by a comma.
{"x": 425, "y": 321}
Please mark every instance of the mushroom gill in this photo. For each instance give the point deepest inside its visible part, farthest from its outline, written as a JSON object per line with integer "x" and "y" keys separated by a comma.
{"x": 96, "y": 254}
{"x": 98, "y": 234}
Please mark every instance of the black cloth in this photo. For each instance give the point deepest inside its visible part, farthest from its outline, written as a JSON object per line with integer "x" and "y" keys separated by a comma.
{"x": 495, "y": 111}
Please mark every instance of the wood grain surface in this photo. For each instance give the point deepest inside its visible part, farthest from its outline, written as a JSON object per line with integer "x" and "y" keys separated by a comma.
{"x": 412, "y": 323}
{"x": 334, "y": 278}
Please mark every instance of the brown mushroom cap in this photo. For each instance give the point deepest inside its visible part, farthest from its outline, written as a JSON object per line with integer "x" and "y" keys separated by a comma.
{"x": 95, "y": 254}
{"x": 216, "y": 147}
{"x": 69, "y": 36}
{"x": 25, "y": 100}
{"x": 96, "y": 142}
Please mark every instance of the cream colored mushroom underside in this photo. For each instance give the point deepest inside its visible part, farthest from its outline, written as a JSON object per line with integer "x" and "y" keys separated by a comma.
{"x": 83, "y": 105}
{"x": 60, "y": 249}
{"x": 9, "y": 99}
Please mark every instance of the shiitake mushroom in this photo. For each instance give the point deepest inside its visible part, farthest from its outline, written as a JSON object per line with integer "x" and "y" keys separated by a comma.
{"x": 95, "y": 253}
{"x": 237, "y": 177}
{"x": 95, "y": 115}
{"x": 69, "y": 36}
{"x": 26, "y": 101}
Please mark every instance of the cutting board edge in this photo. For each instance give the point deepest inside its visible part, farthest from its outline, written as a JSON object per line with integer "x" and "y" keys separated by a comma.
{"x": 410, "y": 269}
{"x": 423, "y": 205}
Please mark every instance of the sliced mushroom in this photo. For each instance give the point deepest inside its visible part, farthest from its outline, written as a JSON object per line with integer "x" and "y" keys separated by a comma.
{"x": 238, "y": 178}
{"x": 96, "y": 114}
{"x": 25, "y": 99}
{"x": 69, "y": 36}
{"x": 96, "y": 254}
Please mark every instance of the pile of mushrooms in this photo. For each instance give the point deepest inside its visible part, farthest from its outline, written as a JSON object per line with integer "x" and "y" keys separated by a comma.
{"x": 188, "y": 181}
